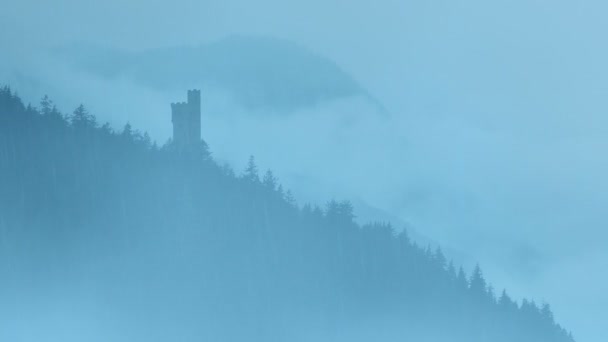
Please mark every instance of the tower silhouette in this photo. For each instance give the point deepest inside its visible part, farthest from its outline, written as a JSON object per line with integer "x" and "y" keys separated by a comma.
{"x": 186, "y": 118}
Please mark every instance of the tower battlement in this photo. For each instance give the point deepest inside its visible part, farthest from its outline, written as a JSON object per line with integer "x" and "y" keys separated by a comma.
{"x": 186, "y": 118}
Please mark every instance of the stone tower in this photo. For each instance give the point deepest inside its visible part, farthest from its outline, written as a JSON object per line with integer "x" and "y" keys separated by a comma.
{"x": 186, "y": 118}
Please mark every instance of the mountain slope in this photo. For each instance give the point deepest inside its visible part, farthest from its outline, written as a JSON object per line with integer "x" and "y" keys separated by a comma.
{"x": 103, "y": 231}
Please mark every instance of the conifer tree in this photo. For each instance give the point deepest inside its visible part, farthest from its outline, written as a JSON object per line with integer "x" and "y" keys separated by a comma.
{"x": 81, "y": 119}
{"x": 478, "y": 284}
{"x": 269, "y": 181}
{"x": 462, "y": 280}
{"x": 251, "y": 171}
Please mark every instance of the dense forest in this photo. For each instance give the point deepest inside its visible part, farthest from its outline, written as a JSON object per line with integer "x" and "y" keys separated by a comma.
{"x": 169, "y": 245}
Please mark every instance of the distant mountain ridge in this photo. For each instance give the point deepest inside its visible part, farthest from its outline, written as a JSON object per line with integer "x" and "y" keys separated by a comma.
{"x": 260, "y": 72}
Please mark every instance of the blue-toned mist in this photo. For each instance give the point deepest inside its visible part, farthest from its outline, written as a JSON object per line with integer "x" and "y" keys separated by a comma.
{"x": 493, "y": 146}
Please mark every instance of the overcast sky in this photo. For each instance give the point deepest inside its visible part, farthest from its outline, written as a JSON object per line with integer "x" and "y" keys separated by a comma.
{"x": 499, "y": 127}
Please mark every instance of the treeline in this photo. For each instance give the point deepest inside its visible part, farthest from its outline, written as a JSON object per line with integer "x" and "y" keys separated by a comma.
{"x": 222, "y": 255}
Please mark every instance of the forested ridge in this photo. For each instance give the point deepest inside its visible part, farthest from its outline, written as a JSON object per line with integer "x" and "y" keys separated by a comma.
{"x": 197, "y": 250}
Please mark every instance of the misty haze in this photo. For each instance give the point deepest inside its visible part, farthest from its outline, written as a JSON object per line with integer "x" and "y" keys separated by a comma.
{"x": 303, "y": 171}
